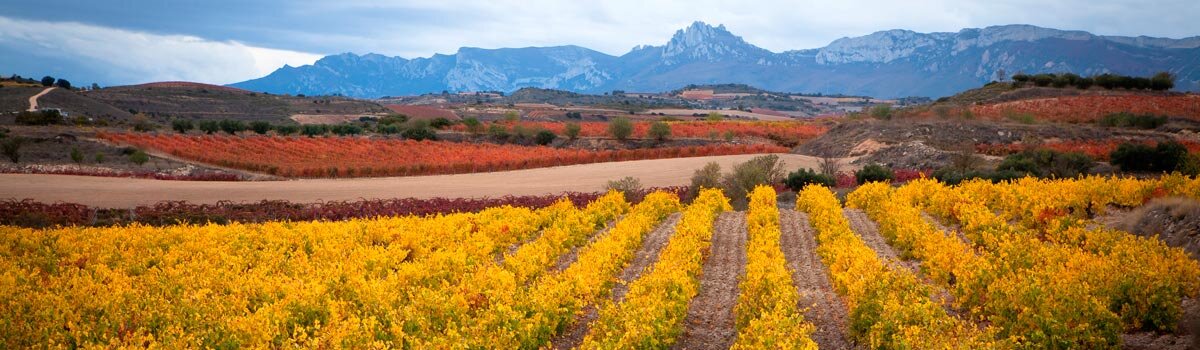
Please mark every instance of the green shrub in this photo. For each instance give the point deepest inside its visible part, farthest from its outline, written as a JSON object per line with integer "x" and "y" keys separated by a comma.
{"x": 419, "y": 134}
{"x": 707, "y": 177}
{"x": 572, "y": 130}
{"x": 209, "y": 126}
{"x": 498, "y": 131}
{"x": 1140, "y": 157}
{"x": 286, "y": 129}
{"x": 76, "y": 155}
{"x": 393, "y": 119}
{"x": 182, "y": 125}
{"x": 440, "y": 123}
{"x": 659, "y": 131}
{"x": 11, "y": 147}
{"x": 46, "y": 117}
{"x": 346, "y": 129}
{"x": 951, "y": 176}
{"x": 796, "y": 180}
{"x": 620, "y": 128}
{"x": 761, "y": 170}
{"x": 139, "y": 157}
{"x": 232, "y": 127}
{"x": 260, "y": 127}
{"x": 714, "y": 117}
{"x": 874, "y": 173}
{"x": 312, "y": 130}
{"x": 629, "y": 186}
{"x": 882, "y": 112}
{"x": 1130, "y": 120}
{"x": 99, "y": 158}
{"x": 473, "y": 125}
{"x": 1046, "y": 163}
{"x": 388, "y": 129}
{"x": 544, "y": 137}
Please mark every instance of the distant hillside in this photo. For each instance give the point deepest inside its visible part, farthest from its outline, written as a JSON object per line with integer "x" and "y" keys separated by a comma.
{"x": 193, "y": 100}
{"x": 888, "y": 64}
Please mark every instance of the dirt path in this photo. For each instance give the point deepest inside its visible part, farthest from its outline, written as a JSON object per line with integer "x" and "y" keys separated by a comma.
{"x": 868, "y": 231}
{"x": 127, "y": 192}
{"x": 825, "y": 308}
{"x": 709, "y": 323}
{"x": 33, "y": 104}
{"x": 653, "y": 244}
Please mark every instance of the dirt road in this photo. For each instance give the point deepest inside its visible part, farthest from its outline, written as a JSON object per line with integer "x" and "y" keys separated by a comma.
{"x": 125, "y": 192}
{"x": 709, "y": 323}
{"x": 33, "y": 105}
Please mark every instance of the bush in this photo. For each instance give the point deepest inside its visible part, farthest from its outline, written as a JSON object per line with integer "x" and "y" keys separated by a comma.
{"x": 951, "y": 176}
{"x": 544, "y": 137}
{"x": 620, "y": 128}
{"x": 46, "y": 117}
{"x": 419, "y": 134}
{"x": 260, "y": 127}
{"x": 11, "y": 147}
{"x": 714, "y": 117}
{"x": 1130, "y": 120}
{"x": 139, "y": 157}
{"x": 659, "y": 131}
{"x": 512, "y": 116}
{"x": 393, "y": 119}
{"x": 440, "y": 123}
{"x": 232, "y": 127}
{"x": 498, "y": 131}
{"x": 473, "y": 126}
{"x": 1162, "y": 81}
{"x": 99, "y": 158}
{"x": 1046, "y": 163}
{"x": 1166, "y": 156}
{"x": 76, "y": 155}
{"x": 572, "y": 131}
{"x": 796, "y": 180}
{"x": 346, "y": 129}
{"x": 47, "y": 81}
{"x": 629, "y": 186}
{"x": 874, "y": 173}
{"x": 388, "y": 129}
{"x": 312, "y": 130}
{"x": 209, "y": 126}
{"x": 707, "y": 177}
{"x": 182, "y": 125}
{"x": 63, "y": 83}
{"x": 286, "y": 129}
{"x": 761, "y": 170}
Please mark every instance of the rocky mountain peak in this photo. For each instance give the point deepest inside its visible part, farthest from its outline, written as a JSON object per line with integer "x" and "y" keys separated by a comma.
{"x": 703, "y": 42}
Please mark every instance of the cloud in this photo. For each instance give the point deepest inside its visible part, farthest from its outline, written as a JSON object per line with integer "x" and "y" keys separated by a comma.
{"x": 105, "y": 55}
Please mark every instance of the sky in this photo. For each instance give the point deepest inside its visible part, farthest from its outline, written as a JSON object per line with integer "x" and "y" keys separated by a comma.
{"x": 221, "y": 41}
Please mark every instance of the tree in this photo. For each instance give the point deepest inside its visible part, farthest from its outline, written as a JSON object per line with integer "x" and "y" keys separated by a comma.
{"x": 473, "y": 126}
{"x": 11, "y": 147}
{"x": 47, "y": 81}
{"x": 286, "y": 129}
{"x": 209, "y": 126}
{"x": 95, "y": 86}
{"x": 544, "y": 137}
{"x": 182, "y": 125}
{"x": 761, "y": 170}
{"x": 620, "y": 128}
{"x": 572, "y": 130}
{"x": 260, "y": 127}
{"x": 76, "y": 155}
{"x": 419, "y": 133}
{"x": 659, "y": 131}
{"x": 139, "y": 157}
{"x": 1162, "y": 81}
{"x": 63, "y": 83}
{"x": 232, "y": 127}
{"x": 714, "y": 117}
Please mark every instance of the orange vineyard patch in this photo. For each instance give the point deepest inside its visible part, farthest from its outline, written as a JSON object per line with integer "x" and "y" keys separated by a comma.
{"x": 363, "y": 157}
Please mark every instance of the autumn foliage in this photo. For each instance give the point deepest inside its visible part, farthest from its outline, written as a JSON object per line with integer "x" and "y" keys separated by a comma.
{"x": 692, "y": 129}
{"x": 1085, "y": 109}
{"x": 1097, "y": 149}
{"x": 363, "y": 157}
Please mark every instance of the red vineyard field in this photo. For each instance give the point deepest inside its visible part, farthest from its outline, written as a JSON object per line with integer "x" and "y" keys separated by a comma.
{"x": 775, "y": 130}
{"x": 1096, "y": 149}
{"x": 1082, "y": 109}
{"x": 363, "y": 157}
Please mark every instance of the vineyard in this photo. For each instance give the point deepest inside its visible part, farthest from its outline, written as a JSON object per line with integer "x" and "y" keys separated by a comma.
{"x": 1087, "y": 109}
{"x": 1097, "y": 149}
{"x": 980, "y": 265}
{"x": 364, "y": 157}
{"x": 794, "y": 131}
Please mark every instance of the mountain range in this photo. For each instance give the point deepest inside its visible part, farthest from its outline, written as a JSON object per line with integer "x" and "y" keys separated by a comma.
{"x": 893, "y": 63}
